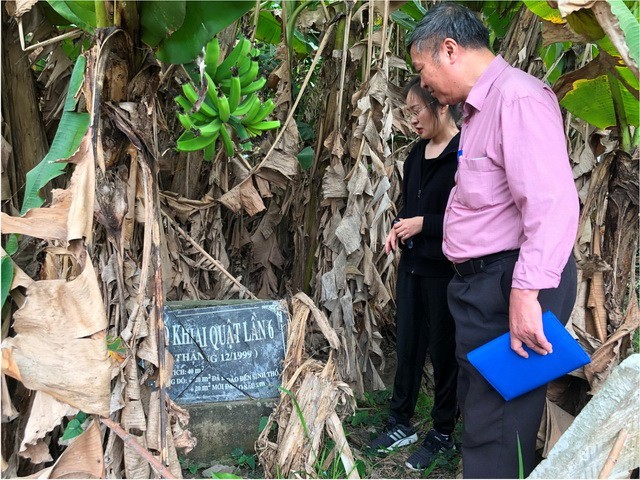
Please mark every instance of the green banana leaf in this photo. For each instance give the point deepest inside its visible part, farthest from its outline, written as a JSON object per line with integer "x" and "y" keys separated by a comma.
{"x": 160, "y": 18}
{"x": 404, "y": 20}
{"x": 549, "y": 56}
{"x": 544, "y": 11}
{"x": 270, "y": 31}
{"x": 6, "y": 277}
{"x": 413, "y": 9}
{"x": 584, "y": 22}
{"x": 630, "y": 27}
{"x": 269, "y": 28}
{"x": 80, "y": 13}
{"x": 305, "y": 158}
{"x": 202, "y": 21}
{"x": 499, "y": 15}
{"x": 586, "y": 93}
{"x": 408, "y": 15}
{"x": 73, "y": 126}
{"x": 12, "y": 246}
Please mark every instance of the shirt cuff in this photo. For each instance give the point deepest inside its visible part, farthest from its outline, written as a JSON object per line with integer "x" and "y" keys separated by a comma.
{"x": 533, "y": 277}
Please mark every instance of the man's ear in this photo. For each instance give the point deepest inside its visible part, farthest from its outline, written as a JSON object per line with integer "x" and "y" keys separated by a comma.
{"x": 450, "y": 49}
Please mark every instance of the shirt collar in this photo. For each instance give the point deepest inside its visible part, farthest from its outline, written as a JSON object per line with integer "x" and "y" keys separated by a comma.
{"x": 481, "y": 88}
{"x": 452, "y": 146}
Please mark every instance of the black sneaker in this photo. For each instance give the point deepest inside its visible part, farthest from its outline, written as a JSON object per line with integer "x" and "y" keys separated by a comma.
{"x": 394, "y": 436}
{"x": 434, "y": 444}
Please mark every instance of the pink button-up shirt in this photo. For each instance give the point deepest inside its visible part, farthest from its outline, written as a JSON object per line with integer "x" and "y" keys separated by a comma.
{"x": 514, "y": 187}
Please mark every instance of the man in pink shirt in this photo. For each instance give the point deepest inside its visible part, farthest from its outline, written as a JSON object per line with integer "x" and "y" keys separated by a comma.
{"x": 509, "y": 226}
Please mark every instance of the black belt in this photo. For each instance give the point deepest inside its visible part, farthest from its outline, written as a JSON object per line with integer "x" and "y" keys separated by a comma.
{"x": 476, "y": 265}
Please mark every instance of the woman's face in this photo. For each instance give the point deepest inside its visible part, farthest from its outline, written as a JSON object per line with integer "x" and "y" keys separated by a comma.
{"x": 422, "y": 119}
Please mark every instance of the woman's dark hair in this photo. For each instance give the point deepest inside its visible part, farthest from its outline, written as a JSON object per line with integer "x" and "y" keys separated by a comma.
{"x": 448, "y": 20}
{"x": 414, "y": 86}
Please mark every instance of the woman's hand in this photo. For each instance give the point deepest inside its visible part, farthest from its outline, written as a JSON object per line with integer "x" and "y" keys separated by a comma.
{"x": 406, "y": 228}
{"x": 391, "y": 243}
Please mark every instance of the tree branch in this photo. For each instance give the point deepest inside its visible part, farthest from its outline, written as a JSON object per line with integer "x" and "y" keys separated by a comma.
{"x": 130, "y": 441}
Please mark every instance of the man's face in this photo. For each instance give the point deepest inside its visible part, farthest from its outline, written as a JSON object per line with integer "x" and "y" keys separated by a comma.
{"x": 434, "y": 76}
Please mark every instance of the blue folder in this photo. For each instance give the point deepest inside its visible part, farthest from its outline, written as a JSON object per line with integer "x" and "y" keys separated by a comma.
{"x": 512, "y": 375}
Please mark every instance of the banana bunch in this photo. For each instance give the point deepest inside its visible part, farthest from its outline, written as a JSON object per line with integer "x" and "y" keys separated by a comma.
{"x": 231, "y": 103}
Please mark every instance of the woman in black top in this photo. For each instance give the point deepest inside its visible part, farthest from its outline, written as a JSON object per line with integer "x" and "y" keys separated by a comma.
{"x": 424, "y": 322}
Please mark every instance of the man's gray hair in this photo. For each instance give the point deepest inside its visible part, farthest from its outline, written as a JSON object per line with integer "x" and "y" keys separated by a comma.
{"x": 448, "y": 20}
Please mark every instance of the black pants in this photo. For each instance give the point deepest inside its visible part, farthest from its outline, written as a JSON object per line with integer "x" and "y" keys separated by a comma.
{"x": 492, "y": 426}
{"x": 424, "y": 323}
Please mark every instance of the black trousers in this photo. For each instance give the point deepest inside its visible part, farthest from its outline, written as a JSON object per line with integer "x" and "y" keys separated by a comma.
{"x": 423, "y": 324}
{"x": 492, "y": 427}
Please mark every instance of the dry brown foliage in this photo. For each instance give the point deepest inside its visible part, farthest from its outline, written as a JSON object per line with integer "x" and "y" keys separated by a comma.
{"x": 136, "y": 224}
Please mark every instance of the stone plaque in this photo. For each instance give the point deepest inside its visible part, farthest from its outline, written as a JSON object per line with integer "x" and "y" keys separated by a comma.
{"x": 225, "y": 351}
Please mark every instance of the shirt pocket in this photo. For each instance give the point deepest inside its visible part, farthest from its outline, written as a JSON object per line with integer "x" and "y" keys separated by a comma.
{"x": 478, "y": 178}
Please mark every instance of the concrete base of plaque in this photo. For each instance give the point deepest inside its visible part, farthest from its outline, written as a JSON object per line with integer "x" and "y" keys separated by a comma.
{"x": 227, "y": 369}
{"x": 222, "y": 427}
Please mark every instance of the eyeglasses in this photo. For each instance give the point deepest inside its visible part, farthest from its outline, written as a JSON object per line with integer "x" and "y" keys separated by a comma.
{"x": 415, "y": 112}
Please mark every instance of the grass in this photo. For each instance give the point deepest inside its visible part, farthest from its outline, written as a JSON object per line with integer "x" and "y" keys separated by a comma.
{"x": 238, "y": 465}
{"x": 369, "y": 419}
{"x": 520, "y": 465}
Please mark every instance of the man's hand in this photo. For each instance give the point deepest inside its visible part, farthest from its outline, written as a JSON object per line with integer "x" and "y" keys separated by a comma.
{"x": 525, "y": 323}
{"x": 406, "y": 228}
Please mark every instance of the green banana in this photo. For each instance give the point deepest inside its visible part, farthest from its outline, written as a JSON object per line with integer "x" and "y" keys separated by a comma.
{"x": 225, "y": 85}
{"x": 251, "y": 113}
{"x": 247, "y": 80}
{"x": 185, "y": 120}
{"x": 210, "y": 150}
{"x": 183, "y": 102}
{"x": 270, "y": 125}
{"x": 210, "y": 128}
{"x": 207, "y": 109}
{"x": 226, "y": 140}
{"x": 254, "y": 86}
{"x": 211, "y": 57}
{"x": 240, "y": 50}
{"x": 243, "y": 64}
{"x": 240, "y": 129}
{"x": 187, "y": 107}
{"x": 190, "y": 142}
{"x": 251, "y": 75}
{"x": 265, "y": 109}
{"x": 200, "y": 117}
{"x": 223, "y": 107}
{"x": 252, "y": 131}
{"x": 234, "y": 93}
{"x": 246, "y": 105}
{"x": 212, "y": 91}
{"x": 244, "y": 67}
{"x": 209, "y": 106}
{"x": 191, "y": 94}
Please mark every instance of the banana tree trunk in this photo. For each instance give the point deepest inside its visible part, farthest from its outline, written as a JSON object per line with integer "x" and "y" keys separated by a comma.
{"x": 25, "y": 130}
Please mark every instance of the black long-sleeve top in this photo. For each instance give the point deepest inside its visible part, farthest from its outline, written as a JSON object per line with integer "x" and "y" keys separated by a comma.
{"x": 425, "y": 190}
